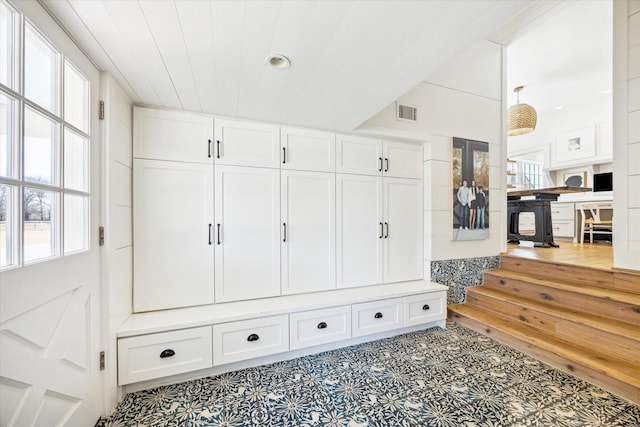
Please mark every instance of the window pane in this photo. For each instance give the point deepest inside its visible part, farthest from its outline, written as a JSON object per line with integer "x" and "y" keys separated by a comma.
{"x": 75, "y": 161}
{"x": 41, "y": 80}
{"x": 7, "y": 225}
{"x": 7, "y": 46}
{"x": 39, "y": 210}
{"x": 75, "y": 223}
{"x": 8, "y": 134}
{"x": 76, "y": 98}
{"x": 40, "y": 148}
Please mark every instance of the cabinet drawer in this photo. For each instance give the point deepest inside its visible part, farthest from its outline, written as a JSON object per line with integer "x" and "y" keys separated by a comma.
{"x": 376, "y": 316}
{"x": 168, "y": 353}
{"x": 562, "y": 228}
{"x": 316, "y": 327}
{"x": 424, "y": 308}
{"x": 562, "y": 211}
{"x": 247, "y": 339}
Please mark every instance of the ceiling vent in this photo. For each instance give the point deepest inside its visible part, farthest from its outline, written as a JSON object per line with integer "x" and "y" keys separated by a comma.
{"x": 406, "y": 112}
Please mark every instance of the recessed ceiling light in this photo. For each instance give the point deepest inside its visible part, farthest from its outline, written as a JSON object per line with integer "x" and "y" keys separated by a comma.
{"x": 606, "y": 91}
{"x": 558, "y": 107}
{"x": 277, "y": 60}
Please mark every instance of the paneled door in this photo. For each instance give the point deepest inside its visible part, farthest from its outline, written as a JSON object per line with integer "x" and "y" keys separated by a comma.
{"x": 360, "y": 230}
{"x": 309, "y": 229}
{"x": 247, "y": 233}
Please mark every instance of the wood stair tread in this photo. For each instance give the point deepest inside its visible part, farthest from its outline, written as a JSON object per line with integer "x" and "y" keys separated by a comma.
{"x": 608, "y": 365}
{"x": 619, "y": 327}
{"x": 594, "y": 291}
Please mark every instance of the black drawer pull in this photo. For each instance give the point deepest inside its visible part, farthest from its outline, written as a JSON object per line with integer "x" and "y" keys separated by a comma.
{"x": 378, "y": 315}
{"x": 253, "y": 337}
{"x": 209, "y": 149}
{"x": 322, "y": 325}
{"x": 218, "y": 149}
{"x": 167, "y": 353}
{"x": 426, "y": 307}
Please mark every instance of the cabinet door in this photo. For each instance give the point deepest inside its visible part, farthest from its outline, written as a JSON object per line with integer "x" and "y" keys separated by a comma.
{"x": 308, "y": 221}
{"x": 172, "y": 217}
{"x": 403, "y": 230}
{"x": 247, "y": 144}
{"x": 402, "y": 160}
{"x": 247, "y": 233}
{"x": 355, "y": 154}
{"x": 359, "y": 230}
{"x": 172, "y": 135}
{"x": 304, "y": 149}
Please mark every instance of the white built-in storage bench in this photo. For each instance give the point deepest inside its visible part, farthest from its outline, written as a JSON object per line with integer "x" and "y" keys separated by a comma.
{"x": 255, "y": 242}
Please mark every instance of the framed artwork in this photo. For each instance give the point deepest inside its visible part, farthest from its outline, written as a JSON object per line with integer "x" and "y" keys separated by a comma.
{"x": 576, "y": 144}
{"x": 470, "y": 185}
{"x": 575, "y": 179}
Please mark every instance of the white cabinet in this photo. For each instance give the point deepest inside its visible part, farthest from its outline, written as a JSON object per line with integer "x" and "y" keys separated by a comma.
{"x": 377, "y": 316}
{"x": 247, "y": 233}
{"x": 172, "y": 232}
{"x": 304, "y": 149}
{"x": 308, "y": 222}
{"x": 358, "y": 155}
{"x": 368, "y": 156}
{"x": 248, "y": 339}
{"x": 563, "y": 219}
{"x": 402, "y": 160}
{"x": 360, "y": 224}
{"x": 172, "y": 135}
{"x": 247, "y": 144}
{"x": 403, "y": 246}
{"x": 315, "y": 327}
{"x": 159, "y": 355}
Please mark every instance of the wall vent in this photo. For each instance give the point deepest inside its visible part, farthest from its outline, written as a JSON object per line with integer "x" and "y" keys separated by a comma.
{"x": 406, "y": 112}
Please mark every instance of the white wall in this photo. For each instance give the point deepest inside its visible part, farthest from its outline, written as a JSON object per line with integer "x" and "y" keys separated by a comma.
{"x": 626, "y": 133}
{"x": 117, "y": 129}
{"x": 463, "y": 99}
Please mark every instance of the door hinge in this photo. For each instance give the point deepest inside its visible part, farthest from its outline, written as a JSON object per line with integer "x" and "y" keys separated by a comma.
{"x": 101, "y": 111}
{"x": 101, "y": 236}
{"x": 102, "y": 360}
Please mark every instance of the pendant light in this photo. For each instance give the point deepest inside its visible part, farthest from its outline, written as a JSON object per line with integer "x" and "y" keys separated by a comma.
{"x": 522, "y": 118}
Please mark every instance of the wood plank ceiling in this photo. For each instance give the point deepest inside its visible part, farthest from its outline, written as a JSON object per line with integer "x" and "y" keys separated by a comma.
{"x": 350, "y": 59}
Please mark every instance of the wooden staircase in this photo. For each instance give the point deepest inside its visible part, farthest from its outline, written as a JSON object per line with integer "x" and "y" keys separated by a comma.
{"x": 578, "y": 319}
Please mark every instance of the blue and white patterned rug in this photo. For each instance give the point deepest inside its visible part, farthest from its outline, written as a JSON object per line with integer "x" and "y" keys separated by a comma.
{"x": 449, "y": 378}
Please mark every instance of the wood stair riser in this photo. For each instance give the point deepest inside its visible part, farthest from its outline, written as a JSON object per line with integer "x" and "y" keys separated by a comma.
{"x": 628, "y": 282}
{"x": 552, "y": 271}
{"x": 621, "y": 388}
{"x": 601, "y": 306}
{"x": 624, "y": 346}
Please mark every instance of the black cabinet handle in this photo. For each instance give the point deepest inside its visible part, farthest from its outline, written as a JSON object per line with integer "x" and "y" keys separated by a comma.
{"x": 380, "y": 168}
{"x": 284, "y": 227}
{"x": 284, "y": 155}
{"x": 209, "y": 149}
{"x": 218, "y": 149}
{"x": 386, "y": 235}
{"x": 386, "y": 165}
{"x": 218, "y": 225}
{"x": 253, "y": 337}
{"x": 210, "y": 227}
{"x": 378, "y": 315}
{"x": 426, "y": 307}
{"x": 167, "y": 353}
{"x": 381, "y": 230}
{"x": 322, "y": 325}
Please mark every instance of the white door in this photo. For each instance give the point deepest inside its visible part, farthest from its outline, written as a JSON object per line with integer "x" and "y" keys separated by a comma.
{"x": 403, "y": 247}
{"x": 172, "y": 135}
{"x": 304, "y": 149}
{"x": 359, "y": 155}
{"x": 173, "y": 234}
{"x": 246, "y": 144}
{"x": 359, "y": 245}
{"x": 50, "y": 334}
{"x": 309, "y": 230}
{"x": 402, "y": 160}
{"x": 247, "y": 233}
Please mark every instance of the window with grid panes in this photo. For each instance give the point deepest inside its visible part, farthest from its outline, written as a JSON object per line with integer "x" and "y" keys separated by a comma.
{"x": 44, "y": 147}
{"x": 530, "y": 175}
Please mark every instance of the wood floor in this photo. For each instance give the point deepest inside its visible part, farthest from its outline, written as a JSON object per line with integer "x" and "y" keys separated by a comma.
{"x": 596, "y": 255}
